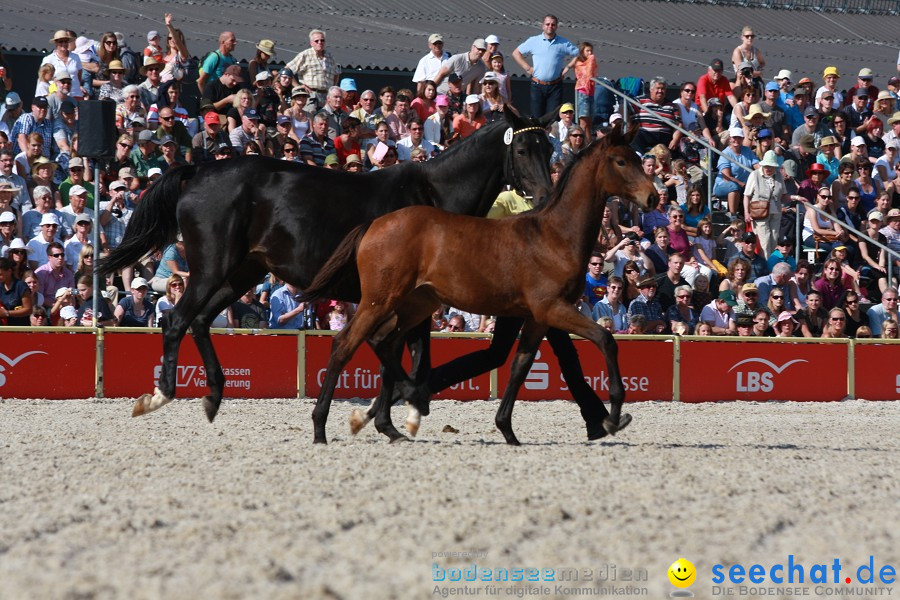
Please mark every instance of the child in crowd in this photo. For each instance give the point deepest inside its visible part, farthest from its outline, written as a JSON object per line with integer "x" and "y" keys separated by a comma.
{"x": 154, "y": 48}
{"x": 585, "y": 65}
{"x": 45, "y": 80}
{"x": 337, "y": 318}
{"x": 502, "y": 76}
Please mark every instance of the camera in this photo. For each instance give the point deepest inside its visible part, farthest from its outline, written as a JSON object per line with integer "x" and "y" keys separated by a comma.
{"x": 746, "y": 72}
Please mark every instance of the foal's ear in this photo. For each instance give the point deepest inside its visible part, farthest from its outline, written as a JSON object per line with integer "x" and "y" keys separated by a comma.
{"x": 550, "y": 117}
{"x": 514, "y": 121}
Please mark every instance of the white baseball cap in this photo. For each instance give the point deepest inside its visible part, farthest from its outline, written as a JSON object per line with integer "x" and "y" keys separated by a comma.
{"x": 77, "y": 190}
{"x": 49, "y": 219}
{"x": 139, "y": 282}
{"x": 154, "y": 171}
{"x": 68, "y": 312}
{"x": 492, "y": 39}
{"x": 736, "y": 132}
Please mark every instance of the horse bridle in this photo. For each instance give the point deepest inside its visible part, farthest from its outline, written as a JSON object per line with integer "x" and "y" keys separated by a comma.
{"x": 512, "y": 177}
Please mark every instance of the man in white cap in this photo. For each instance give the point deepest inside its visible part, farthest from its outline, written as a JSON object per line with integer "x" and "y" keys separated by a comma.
{"x": 467, "y": 65}
{"x": 83, "y": 225}
{"x": 76, "y": 177}
{"x": 430, "y": 64}
{"x": 8, "y": 231}
{"x": 114, "y": 218}
{"x": 786, "y": 95}
{"x": 77, "y": 206}
{"x": 493, "y": 47}
{"x": 40, "y": 242}
{"x": 12, "y": 110}
{"x": 14, "y": 194}
{"x": 863, "y": 82}
{"x": 44, "y": 204}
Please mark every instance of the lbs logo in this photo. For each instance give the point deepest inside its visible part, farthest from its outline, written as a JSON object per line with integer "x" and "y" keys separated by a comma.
{"x": 762, "y": 379}
{"x": 12, "y": 362}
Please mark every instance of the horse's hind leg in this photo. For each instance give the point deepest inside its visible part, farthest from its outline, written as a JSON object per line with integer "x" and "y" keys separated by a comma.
{"x": 174, "y": 326}
{"x": 419, "y": 342}
{"x": 389, "y": 351}
{"x": 592, "y": 409}
{"x": 532, "y": 334}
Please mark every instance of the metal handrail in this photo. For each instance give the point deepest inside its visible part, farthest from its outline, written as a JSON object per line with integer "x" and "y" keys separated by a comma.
{"x": 809, "y": 205}
{"x": 709, "y": 187}
{"x": 674, "y": 125}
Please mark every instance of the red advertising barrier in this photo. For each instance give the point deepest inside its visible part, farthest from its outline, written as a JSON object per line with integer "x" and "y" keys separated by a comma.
{"x": 877, "y": 371}
{"x": 47, "y": 365}
{"x": 712, "y": 371}
{"x": 255, "y": 366}
{"x": 361, "y": 377}
{"x": 646, "y": 366}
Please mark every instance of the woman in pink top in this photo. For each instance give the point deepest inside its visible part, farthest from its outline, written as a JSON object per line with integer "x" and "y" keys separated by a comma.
{"x": 585, "y": 65}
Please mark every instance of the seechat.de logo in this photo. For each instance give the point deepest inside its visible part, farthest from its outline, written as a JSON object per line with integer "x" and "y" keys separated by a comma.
{"x": 12, "y": 362}
{"x": 759, "y": 377}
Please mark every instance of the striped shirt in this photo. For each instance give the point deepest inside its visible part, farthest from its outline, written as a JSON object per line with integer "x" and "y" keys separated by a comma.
{"x": 653, "y": 124}
{"x": 27, "y": 124}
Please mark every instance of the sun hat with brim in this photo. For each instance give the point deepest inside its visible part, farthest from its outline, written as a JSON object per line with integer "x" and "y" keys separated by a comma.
{"x": 817, "y": 168}
{"x": 9, "y": 186}
{"x": 884, "y": 95}
{"x": 149, "y": 61}
{"x": 784, "y": 74}
{"x": 828, "y": 140}
{"x": 19, "y": 244}
{"x": 770, "y": 159}
{"x": 49, "y": 219}
{"x": 332, "y": 159}
{"x": 60, "y": 35}
{"x": 807, "y": 143}
{"x": 299, "y": 91}
{"x": 7, "y": 217}
{"x": 472, "y": 99}
{"x": 68, "y": 312}
{"x": 785, "y": 316}
{"x": 266, "y": 46}
{"x": 804, "y": 81}
{"x": 82, "y": 218}
{"x": 352, "y": 159}
{"x": 749, "y": 287}
{"x": 139, "y": 282}
{"x": 43, "y": 160}
{"x": 895, "y": 118}
{"x": 567, "y": 107}
{"x": 115, "y": 65}
{"x": 756, "y": 111}
{"x": 894, "y": 213}
{"x": 831, "y": 71}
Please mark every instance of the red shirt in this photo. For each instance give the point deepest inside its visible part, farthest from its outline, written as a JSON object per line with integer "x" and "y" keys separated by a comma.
{"x": 344, "y": 151}
{"x": 721, "y": 89}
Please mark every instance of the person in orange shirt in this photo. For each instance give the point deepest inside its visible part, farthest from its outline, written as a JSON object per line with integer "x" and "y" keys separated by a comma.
{"x": 471, "y": 120}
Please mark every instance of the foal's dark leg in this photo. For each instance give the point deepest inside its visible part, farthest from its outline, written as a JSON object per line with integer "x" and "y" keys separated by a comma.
{"x": 592, "y": 409}
{"x": 418, "y": 340}
{"x": 532, "y": 334}
{"x": 389, "y": 352}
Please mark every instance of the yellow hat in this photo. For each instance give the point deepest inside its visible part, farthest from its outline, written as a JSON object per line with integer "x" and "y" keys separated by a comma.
{"x": 831, "y": 71}
{"x": 568, "y": 106}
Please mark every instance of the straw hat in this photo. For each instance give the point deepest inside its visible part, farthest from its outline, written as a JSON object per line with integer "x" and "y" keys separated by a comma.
{"x": 828, "y": 140}
{"x": 149, "y": 61}
{"x": 59, "y": 36}
{"x": 266, "y": 46}
{"x": 755, "y": 110}
{"x": 115, "y": 65}
{"x": 43, "y": 160}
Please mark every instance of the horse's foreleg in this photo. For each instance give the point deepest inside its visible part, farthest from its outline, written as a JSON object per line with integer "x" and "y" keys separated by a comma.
{"x": 389, "y": 351}
{"x": 419, "y": 342}
{"x": 564, "y": 316}
{"x": 592, "y": 409}
{"x": 532, "y": 334}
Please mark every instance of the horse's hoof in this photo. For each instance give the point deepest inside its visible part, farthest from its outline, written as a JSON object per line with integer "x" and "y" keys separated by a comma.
{"x": 318, "y": 440}
{"x": 596, "y": 433}
{"x": 399, "y": 438}
{"x": 358, "y": 420}
{"x": 413, "y": 420}
{"x": 612, "y": 428}
{"x": 211, "y": 407}
{"x": 147, "y": 403}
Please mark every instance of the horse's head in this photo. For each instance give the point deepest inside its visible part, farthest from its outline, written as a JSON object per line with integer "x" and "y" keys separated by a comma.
{"x": 621, "y": 173}
{"x": 527, "y": 164}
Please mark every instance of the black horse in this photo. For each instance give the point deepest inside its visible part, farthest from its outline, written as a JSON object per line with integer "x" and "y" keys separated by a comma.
{"x": 244, "y": 217}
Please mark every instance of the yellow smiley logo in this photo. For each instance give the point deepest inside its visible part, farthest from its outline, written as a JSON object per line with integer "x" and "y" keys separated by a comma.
{"x": 682, "y": 573}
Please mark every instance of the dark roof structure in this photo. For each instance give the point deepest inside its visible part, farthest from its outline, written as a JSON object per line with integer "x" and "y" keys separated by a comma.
{"x": 631, "y": 37}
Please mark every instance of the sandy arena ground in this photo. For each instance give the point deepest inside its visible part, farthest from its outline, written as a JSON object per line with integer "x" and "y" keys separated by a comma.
{"x": 95, "y": 504}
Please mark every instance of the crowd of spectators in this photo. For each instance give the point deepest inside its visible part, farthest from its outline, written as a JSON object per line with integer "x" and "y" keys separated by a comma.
{"x": 663, "y": 271}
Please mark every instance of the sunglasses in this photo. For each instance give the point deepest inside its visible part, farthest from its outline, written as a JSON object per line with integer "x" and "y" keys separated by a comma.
{"x": 777, "y": 297}
{"x": 825, "y": 196}
{"x": 852, "y": 302}
{"x": 576, "y": 135}
{"x": 750, "y": 294}
{"x": 57, "y": 255}
{"x": 750, "y": 36}
{"x": 290, "y": 150}
{"x": 596, "y": 264}
{"x": 683, "y": 296}
{"x": 169, "y": 118}
{"x": 689, "y": 91}
{"x": 837, "y": 318}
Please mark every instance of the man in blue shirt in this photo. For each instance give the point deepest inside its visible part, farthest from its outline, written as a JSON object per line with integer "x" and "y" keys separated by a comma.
{"x": 594, "y": 280}
{"x": 549, "y": 53}
{"x": 287, "y": 311}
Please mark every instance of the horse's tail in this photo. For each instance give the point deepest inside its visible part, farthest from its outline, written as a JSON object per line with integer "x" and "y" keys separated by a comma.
{"x": 154, "y": 224}
{"x": 335, "y": 268}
